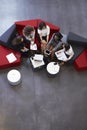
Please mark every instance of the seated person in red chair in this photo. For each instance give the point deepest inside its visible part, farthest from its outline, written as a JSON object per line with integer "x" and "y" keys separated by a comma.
{"x": 19, "y": 44}
{"x": 29, "y": 34}
{"x": 53, "y": 44}
{"x": 43, "y": 33}
{"x": 65, "y": 53}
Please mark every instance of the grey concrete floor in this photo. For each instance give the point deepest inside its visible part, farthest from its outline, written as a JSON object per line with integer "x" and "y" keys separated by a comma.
{"x": 40, "y": 102}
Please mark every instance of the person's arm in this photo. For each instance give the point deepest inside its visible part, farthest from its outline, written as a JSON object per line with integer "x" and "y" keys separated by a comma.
{"x": 42, "y": 41}
{"x": 40, "y": 34}
{"x": 33, "y": 37}
{"x": 21, "y": 47}
{"x": 50, "y": 42}
{"x": 24, "y": 49}
{"x": 48, "y": 32}
{"x": 47, "y": 38}
{"x": 59, "y": 44}
{"x": 70, "y": 54}
{"x": 41, "y": 37}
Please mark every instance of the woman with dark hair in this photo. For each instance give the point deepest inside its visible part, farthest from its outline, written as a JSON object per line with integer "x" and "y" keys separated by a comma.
{"x": 65, "y": 53}
{"x": 19, "y": 44}
{"x": 43, "y": 33}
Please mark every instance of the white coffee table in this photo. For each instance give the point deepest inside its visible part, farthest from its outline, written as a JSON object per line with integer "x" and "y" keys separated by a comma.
{"x": 53, "y": 68}
{"x": 14, "y": 77}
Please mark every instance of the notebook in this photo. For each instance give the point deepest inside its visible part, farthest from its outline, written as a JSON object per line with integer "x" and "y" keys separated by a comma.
{"x": 11, "y": 57}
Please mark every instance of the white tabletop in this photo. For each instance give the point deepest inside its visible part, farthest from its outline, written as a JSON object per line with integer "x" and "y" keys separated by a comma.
{"x": 14, "y": 76}
{"x": 53, "y": 68}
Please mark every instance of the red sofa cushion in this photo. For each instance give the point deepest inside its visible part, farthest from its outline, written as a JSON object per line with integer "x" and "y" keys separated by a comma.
{"x": 81, "y": 62}
{"x": 21, "y": 24}
{"x": 4, "y": 63}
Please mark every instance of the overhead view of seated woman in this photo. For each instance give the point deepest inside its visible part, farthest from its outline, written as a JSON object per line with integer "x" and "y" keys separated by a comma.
{"x": 43, "y": 34}
{"x": 19, "y": 44}
{"x": 53, "y": 45}
{"x": 65, "y": 53}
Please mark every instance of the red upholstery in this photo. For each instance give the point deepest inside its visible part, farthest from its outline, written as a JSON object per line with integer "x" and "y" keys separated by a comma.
{"x": 81, "y": 62}
{"x": 21, "y": 24}
{"x": 4, "y": 63}
{"x": 27, "y": 22}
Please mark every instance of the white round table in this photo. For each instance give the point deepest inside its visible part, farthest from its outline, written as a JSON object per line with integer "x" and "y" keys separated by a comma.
{"x": 53, "y": 68}
{"x": 14, "y": 77}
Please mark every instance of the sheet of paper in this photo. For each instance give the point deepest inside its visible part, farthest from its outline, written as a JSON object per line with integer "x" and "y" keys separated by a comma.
{"x": 11, "y": 57}
{"x": 37, "y": 64}
{"x": 61, "y": 56}
{"x": 33, "y": 47}
{"x": 38, "y": 57}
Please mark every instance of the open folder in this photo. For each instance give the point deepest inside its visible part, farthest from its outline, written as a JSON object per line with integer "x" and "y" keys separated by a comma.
{"x": 61, "y": 56}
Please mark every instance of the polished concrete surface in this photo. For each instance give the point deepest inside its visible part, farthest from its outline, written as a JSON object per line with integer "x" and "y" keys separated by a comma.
{"x": 41, "y": 102}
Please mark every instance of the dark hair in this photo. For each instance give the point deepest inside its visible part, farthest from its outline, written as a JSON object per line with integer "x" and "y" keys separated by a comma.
{"x": 41, "y": 25}
{"x": 59, "y": 35}
{"x": 17, "y": 40}
{"x": 27, "y": 30}
{"x": 67, "y": 46}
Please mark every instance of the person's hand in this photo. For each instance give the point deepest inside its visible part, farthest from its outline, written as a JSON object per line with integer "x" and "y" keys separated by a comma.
{"x": 32, "y": 42}
{"x": 66, "y": 60}
{"x": 44, "y": 42}
{"x": 52, "y": 51}
{"x": 24, "y": 49}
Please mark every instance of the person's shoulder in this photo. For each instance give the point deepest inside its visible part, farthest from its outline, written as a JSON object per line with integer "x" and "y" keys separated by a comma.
{"x": 71, "y": 47}
{"x": 47, "y": 27}
{"x": 38, "y": 30}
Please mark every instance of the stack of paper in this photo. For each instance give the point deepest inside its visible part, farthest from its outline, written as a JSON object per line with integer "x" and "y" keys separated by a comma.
{"x": 11, "y": 57}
